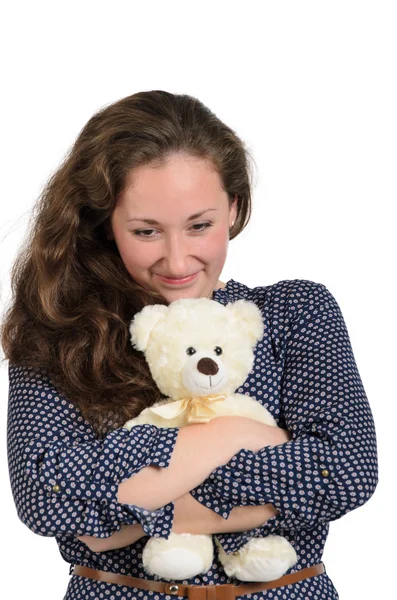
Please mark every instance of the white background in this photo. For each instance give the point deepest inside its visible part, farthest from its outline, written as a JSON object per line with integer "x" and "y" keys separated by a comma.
{"x": 311, "y": 88}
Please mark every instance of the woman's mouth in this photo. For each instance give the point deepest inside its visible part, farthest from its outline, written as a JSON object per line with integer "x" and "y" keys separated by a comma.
{"x": 179, "y": 280}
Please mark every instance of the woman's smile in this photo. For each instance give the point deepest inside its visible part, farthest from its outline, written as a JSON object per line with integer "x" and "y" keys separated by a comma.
{"x": 178, "y": 280}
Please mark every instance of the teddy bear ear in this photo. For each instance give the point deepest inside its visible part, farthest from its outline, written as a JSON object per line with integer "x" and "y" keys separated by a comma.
{"x": 143, "y": 324}
{"x": 248, "y": 318}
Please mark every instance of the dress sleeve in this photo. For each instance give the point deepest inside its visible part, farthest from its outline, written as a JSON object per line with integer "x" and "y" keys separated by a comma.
{"x": 330, "y": 465}
{"x": 64, "y": 478}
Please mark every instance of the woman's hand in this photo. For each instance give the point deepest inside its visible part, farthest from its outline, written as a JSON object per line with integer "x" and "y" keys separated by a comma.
{"x": 190, "y": 516}
{"x": 128, "y": 534}
{"x": 250, "y": 434}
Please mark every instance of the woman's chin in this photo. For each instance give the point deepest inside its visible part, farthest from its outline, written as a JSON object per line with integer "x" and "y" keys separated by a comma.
{"x": 180, "y": 294}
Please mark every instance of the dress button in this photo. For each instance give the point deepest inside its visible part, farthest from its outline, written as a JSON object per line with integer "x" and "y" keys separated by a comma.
{"x": 56, "y": 488}
{"x": 325, "y": 472}
{"x": 171, "y": 588}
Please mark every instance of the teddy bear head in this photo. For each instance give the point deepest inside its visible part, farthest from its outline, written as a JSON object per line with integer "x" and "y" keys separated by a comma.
{"x": 197, "y": 346}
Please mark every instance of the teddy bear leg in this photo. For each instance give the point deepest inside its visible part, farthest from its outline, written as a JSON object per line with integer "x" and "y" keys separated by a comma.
{"x": 261, "y": 559}
{"x": 181, "y": 556}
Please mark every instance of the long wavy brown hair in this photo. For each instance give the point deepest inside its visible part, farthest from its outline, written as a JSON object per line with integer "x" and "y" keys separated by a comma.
{"x": 73, "y": 298}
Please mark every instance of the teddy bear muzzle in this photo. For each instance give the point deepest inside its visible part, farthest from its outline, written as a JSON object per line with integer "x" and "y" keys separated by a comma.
{"x": 207, "y": 366}
{"x": 204, "y": 375}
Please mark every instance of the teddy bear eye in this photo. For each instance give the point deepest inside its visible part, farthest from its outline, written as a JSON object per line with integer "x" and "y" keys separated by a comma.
{"x": 218, "y": 351}
{"x": 190, "y": 351}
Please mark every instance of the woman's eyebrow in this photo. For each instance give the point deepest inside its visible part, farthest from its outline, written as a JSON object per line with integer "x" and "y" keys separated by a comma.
{"x": 154, "y": 222}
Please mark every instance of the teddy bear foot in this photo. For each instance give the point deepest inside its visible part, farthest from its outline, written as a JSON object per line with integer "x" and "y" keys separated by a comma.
{"x": 261, "y": 559}
{"x": 181, "y": 556}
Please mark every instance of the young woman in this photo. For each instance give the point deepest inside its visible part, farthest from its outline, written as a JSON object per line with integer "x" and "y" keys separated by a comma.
{"x": 141, "y": 212}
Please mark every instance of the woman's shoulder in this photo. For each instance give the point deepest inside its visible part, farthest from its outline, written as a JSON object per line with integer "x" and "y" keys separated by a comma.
{"x": 26, "y": 381}
{"x": 32, "y": 380}
{"x": 287, "y": 295}
{"x": 32, "y": 387}
{"x": 281, "y": 304}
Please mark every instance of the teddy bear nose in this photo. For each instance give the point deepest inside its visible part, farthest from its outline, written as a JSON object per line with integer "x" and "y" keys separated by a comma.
{"x": 207, "y": 366}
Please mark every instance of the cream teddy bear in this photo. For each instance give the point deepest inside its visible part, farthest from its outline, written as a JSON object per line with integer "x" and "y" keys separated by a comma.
{"x": 198, "y": 353}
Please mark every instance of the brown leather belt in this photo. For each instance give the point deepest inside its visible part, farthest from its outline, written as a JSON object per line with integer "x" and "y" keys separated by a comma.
{"x": 198, "y": 592}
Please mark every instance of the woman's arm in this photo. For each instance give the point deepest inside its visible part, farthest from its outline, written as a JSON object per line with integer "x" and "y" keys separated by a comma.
{"x": 55, "y": 459}
{"x": 329, "y": 467}
{"x": 189, "y": 517}
{"x": 198, "y": 450}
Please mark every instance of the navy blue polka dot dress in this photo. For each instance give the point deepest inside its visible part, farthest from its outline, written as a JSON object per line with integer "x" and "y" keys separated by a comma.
{"x": 64, "y": 479}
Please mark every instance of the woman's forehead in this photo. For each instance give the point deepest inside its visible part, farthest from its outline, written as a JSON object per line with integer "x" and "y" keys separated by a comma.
{"x": 184, "y": 185}
{"x": 181, "y": 173}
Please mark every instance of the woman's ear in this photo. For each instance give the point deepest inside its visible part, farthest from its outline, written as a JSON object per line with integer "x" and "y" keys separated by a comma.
{"x": 233, "y": 211}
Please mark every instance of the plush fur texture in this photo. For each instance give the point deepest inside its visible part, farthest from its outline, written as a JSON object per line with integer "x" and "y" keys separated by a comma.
{"x": 165, "y": 333}
{"x": 199, "y": 352}
{"x": 183, "y": 556}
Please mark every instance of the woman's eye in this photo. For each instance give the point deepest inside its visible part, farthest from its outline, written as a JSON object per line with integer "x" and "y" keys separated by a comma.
{"x": 201, "y": 226}
{"x": 144, "y": 232}
{"x": 151, "y": 233}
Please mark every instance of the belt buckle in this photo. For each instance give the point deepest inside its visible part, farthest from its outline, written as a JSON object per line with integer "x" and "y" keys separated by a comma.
{"x": 172, "y": 589}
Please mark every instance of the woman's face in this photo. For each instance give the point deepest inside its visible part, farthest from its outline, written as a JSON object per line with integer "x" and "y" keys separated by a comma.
{"x": 171, "y": 226}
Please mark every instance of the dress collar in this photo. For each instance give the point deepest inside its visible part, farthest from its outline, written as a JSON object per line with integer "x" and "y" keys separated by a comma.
{"x": 231, "y": 292}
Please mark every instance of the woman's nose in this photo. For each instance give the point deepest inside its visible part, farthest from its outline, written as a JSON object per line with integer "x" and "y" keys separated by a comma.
{"x": 176, "y": 256}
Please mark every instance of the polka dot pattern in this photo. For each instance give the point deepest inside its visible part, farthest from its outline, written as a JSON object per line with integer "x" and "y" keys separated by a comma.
{"x": 63, "y": 478}
{"x": 304, "y": 374}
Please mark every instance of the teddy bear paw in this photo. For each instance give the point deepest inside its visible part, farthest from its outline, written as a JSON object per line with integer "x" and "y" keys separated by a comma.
{"x": 261, "y": 559}
{"x": 181, "y": 556}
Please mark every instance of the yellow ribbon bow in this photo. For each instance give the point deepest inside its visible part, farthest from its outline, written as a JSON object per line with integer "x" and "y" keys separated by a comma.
{"x": 195, "y": 410}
